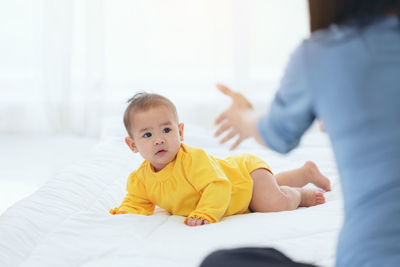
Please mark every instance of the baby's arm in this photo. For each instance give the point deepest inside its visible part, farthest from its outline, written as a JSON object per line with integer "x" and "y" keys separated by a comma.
{"x": 213, "y": 203}
{"x": 134, "y": 204}
{"x": 205, "y": 175}
{"x": 136, "y": 201}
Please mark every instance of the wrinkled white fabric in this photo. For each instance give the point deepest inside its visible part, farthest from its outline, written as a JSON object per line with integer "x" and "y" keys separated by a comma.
{"x": 66, "y": 222}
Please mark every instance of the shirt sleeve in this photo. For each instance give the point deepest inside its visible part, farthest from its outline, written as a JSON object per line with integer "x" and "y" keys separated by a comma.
{"x": 215, "y": 188}
{"x": 136, "y": 200}
{"x": 291, "y": 112}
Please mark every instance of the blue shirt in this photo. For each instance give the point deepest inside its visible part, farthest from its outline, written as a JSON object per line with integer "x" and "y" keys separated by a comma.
{"x": 350, "y": 79}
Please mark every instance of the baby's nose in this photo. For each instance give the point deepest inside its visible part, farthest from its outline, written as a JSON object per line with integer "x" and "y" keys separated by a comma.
{"x": 159, "y": 141}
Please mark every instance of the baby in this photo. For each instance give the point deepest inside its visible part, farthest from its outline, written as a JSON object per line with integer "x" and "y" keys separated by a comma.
{"x": 186, "y": 181}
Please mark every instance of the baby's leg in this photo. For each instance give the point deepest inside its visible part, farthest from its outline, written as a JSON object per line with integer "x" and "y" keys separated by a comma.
{"x": 268, "y": 196}
{"x": 308, "y": 173}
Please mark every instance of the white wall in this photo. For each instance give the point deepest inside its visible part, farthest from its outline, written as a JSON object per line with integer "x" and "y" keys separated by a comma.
{"x": 67, "y": 64}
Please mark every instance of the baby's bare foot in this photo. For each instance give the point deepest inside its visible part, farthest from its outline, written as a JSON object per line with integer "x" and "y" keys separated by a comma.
{"x": 311, "y": 197}
{"x": 316, "y": 177}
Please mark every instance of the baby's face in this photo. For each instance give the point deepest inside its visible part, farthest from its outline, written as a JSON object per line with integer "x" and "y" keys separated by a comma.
{"x": 156, "y": 135}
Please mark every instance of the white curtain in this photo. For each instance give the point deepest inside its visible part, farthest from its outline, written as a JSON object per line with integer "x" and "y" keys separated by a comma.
{"x": 73, "y": 64}
{"x": 67, "y": 64}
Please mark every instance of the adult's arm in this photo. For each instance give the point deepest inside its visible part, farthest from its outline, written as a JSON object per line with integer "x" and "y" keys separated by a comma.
{"x": 291, "y": 112}
{"x": 290, "y": 115}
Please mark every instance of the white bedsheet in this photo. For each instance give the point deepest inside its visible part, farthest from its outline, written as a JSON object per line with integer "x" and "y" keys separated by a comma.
{"x": 66, "y": 222}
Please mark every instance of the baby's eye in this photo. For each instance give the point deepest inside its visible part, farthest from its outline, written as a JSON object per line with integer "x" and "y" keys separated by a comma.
{"x": 166, "y": 130}
{"x": 147, "y": 135}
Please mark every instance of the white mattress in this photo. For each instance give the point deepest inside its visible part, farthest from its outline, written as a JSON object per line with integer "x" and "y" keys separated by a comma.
{"x": 66, "y": 222}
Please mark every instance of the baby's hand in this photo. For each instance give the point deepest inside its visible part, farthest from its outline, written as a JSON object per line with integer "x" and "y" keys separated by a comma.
{"x": 196, "y": 222}
{"x": 116, "y": 211}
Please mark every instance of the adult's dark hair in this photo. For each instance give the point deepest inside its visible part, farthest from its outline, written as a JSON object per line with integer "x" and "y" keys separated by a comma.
{"x": 361, "y": 12}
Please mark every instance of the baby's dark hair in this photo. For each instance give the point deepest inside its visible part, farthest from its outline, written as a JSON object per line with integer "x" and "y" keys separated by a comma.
{"x": 142, "y": 102}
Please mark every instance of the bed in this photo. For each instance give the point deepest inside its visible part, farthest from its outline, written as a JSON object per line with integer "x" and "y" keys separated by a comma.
{"x": 66, "y": 222}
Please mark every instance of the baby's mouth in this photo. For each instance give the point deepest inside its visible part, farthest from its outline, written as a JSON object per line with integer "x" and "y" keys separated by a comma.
{"x": 161, "y": 152}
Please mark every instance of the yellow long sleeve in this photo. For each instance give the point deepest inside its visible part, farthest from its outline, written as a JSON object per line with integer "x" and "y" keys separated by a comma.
{"x": 136, "y": 200}
{"x": 215, "y": 188}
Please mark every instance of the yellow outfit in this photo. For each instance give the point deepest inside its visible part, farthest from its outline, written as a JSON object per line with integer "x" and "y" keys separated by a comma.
{"x": 195, "y": 185}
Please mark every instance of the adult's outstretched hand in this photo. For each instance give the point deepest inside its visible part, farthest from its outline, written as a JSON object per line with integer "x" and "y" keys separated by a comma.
{"x": 239, "y": 120}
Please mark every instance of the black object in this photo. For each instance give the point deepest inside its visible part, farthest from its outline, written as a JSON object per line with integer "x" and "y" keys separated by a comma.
{"x": 250, "y": 257}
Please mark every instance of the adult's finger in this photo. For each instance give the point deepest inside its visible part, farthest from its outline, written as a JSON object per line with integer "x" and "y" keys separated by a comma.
{"x": 220, "y": 118}
{"x": 238, "y": 141}
{"x": 223, "y": 128}
{"x": 225, "y": 90}
{"x": 237, "y": 98}
{"x": 228, "y": 137}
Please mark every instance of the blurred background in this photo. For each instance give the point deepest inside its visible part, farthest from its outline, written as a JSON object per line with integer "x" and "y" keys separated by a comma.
{"x": 67, "y": 68}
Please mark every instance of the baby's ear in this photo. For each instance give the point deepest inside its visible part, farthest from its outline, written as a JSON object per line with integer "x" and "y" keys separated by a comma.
{"x": 131, "y": 143}
{"x": 181, "y": 126}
